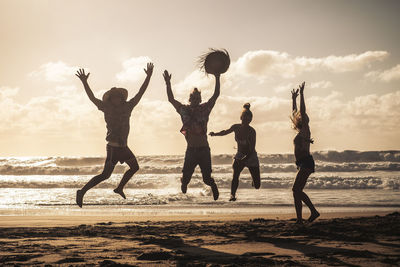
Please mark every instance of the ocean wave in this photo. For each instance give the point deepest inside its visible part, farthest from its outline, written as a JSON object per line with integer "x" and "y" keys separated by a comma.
{"x": 326, "y": 161}
{"x": 173, "y": 181}
{"x": 8, "y": 169}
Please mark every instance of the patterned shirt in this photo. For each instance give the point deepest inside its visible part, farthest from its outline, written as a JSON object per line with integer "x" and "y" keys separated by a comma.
{"x": 117, "y": 121}
{"x": 195, "y": 119}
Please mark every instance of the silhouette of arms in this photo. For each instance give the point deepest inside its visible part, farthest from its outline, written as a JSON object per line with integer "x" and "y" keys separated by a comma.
{"x": 83, "y": 77}
{"x": 302, "y": 103}
{"x": 171, "y": 99}
{"x": 304, "y": 116}
{"x": 214, "y": 97}
{"x": 295, "y": 93}
{"x": 224, "y": 132}
{"x": 149, "y": 71}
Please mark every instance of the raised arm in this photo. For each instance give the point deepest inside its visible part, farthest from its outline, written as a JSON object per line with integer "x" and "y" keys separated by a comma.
{"x": 295, "y": 93}
{"x": 214, "y": 97}
{"x": 304, "y": 116}
{"x": 223, "y": 132}
{"x": 149, "y": 71}
{"x": 302, "y": 103}
{"x": 83, "y": 77}
{"x": 171, "y": 99}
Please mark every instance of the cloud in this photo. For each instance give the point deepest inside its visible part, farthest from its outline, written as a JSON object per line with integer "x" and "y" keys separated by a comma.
{"x": 133, "y": 69}
{"x": 321, "y": 84}
{"x": 64, "y": 116}
{"x": 285, "y": 87}
{"x": 197, "y": 79}
{"x": 6, "y": 92}
{"x": 47, "y": 114}
{"x": 264, "y": 63}
{"x": 69, "y": 117}
{"x": 266, "y": 68}
{"x": 313, "y": 85}
{"x": 9, "y": 108}
{"x": 55, "y": 71}
{"x": 386, "y": 75}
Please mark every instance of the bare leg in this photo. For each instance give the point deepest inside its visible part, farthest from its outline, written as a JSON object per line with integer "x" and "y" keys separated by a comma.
{"x": 189, "y": 165}
{"x": 299, "y": 207}
{"x": 255, "y": 175}
{"x": 237, "y": 169}
{"x": 134, "y": 167}
{"x": 107, "y": 171}
{"x": 204, "y": 160}
{"x": 186, "y": 177}
{"x": 314, "y": 213}
{"x": 208, "y": 180}
{"x": 300, "y": 196}
{"x": 308, "y": 202}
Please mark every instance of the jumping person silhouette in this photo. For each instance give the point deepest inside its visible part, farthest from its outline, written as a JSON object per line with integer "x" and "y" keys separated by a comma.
{"x": 304, "y": 160}
{"x": 195, "y": 118}
{"x": 117, "y": 112}
{"x": 246, "y": 155}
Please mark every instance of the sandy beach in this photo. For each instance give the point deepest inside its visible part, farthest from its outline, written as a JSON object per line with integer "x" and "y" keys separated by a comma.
{"x": 341, "y": 239}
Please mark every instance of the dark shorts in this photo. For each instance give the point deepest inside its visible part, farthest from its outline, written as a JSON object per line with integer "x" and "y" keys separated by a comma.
{"x": 251, "y": 161}
{"x": 121, "y": 154}
{"x": 307, "y": 162}
{"x": 238, "y": 166}
{"x": 197, "y": 156}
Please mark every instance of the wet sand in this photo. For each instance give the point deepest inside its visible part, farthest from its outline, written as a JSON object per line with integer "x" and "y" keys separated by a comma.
{"x": 217, "y": 240}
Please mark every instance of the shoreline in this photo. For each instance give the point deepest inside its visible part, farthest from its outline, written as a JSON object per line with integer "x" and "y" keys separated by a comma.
{"x": 74, "y": 220}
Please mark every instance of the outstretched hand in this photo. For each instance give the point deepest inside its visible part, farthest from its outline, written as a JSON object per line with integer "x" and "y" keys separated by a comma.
{"x": 167, "y": 76}
{"x": 212, "y": 134}
{"x": 295, "y": 93}
{"x": 81, "y": 75}
{"x": 302, "y": 87}
{"x": 149, "y": 69}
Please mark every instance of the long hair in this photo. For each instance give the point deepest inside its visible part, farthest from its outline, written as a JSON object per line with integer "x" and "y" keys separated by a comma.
{"x": 296, "y": 120}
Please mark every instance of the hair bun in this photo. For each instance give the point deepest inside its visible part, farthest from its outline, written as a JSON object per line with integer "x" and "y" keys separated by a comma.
{"x": 247, "y": 106}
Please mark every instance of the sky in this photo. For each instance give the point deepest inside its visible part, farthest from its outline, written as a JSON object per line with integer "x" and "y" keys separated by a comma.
{"x": 347, "y": 52}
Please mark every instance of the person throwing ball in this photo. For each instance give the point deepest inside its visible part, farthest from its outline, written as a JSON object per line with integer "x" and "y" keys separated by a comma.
{"x": 195, "y": 119}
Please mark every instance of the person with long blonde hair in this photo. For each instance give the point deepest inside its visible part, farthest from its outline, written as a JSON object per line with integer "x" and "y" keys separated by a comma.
{"x": 304, "y": 160}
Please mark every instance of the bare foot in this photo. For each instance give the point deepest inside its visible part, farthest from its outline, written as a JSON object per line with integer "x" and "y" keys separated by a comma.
{"x": 299, "y": 222}
{"x": 313, "y": 216}
{"x": 79, "y": 198}
{"x": 184, "y": 188}
{"x": 120, "y": 192}
{"x": 215, "y": 191}
{"x": 233, "y": 198}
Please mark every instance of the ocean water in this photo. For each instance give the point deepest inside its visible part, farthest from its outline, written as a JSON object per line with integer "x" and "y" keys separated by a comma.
{"x": 346, "y": 180}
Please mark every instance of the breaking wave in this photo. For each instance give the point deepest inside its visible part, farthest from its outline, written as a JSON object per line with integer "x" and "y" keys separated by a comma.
{"x": 326, "y": 161}
{"x": 224, "y": 181}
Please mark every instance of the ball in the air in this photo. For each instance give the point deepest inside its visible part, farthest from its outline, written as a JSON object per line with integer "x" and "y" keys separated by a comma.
{"x": 217, "y": 62}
